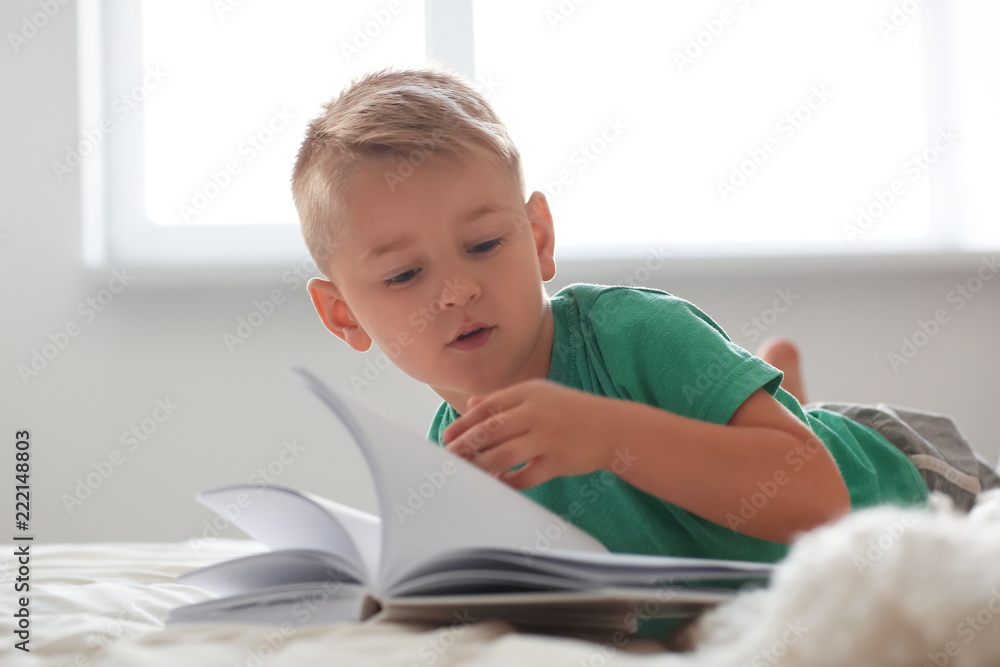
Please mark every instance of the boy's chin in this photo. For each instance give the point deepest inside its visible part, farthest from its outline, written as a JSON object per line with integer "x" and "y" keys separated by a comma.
{"x": 466, "y": 387}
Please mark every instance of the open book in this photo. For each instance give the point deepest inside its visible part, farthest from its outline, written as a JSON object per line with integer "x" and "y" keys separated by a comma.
{"x": 451, "y": 544}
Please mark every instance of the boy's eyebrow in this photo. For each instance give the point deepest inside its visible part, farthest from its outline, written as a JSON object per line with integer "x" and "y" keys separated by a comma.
{"x": 400, "y": 243}
{"x": 480, "y": 211}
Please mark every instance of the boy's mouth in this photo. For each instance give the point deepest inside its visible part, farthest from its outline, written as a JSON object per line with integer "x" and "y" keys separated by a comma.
{"x": 472, "y": 336}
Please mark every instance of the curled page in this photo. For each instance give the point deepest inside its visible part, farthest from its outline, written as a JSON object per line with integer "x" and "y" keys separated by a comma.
{"x": 434, "y": 503}
{"x": 284, "y": 518}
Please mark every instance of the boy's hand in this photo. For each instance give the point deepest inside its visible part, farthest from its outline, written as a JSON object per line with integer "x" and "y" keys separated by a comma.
{"x": 557, "y": 430}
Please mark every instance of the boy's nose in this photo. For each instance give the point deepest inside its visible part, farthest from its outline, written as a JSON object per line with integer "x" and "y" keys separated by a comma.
{"x": 459, "y": 291}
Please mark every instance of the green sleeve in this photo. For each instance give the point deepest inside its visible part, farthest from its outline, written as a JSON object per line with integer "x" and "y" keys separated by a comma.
{"x": 668, "y": 353}
{"x": 444, "y": 416}
{"x": 663, "y": 351}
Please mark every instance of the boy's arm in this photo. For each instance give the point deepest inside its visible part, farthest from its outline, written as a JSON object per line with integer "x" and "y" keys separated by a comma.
{"x": 764, "y": 457}
{"x": 708, "y": 469}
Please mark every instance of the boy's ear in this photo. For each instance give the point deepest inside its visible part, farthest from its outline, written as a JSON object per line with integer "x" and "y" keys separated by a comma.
{"x": 544, "y": 233}
{"x": 336, "y": 315}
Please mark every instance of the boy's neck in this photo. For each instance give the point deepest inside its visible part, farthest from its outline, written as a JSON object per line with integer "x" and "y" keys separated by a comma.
{"x": 537, "y": 366}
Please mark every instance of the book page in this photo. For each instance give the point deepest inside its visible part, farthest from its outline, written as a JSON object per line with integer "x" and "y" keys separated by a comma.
{"x": 623, "y": 569}
{"x": 559, "y": 569}
{"x": 295, "y": 604}
{"x": 283, "y": 518}
{"x": 433, "y": 502}
{"x": 246, "y": 574}
{"x": 364, "y": 529}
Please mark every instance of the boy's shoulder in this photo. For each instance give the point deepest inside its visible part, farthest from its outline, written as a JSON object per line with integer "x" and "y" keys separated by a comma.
{"x": 617, "y": 314}
{"x": 623, "y": 303}
{"x": 587, "y": 295}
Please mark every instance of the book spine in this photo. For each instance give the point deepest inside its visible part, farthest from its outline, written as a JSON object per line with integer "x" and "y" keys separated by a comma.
{"x": 370, "y": 606}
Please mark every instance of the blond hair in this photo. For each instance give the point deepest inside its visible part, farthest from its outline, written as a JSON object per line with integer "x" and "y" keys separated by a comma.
{"x": 400, "y": 116}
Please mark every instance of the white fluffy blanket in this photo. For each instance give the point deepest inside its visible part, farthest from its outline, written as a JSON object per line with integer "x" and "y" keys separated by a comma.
{"x": 885, "y": 587}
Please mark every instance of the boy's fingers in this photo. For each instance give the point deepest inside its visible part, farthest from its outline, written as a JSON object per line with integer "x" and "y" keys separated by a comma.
{"x": 471, "y": 417}
{"x": 469, "y": 448}
{"x": 527, "y": 477}
{"x": 490, "y": 407}
{"x": 459, "y": 427}
{"x": 483, "y": 436}
{"x": 498, "y": 459}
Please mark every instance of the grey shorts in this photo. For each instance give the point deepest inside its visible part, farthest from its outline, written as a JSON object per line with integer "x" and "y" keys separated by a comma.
{"x": 933, "y": 442}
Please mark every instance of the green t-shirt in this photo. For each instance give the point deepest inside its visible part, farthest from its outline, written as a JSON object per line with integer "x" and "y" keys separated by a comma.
{"x": 649, "y": 346}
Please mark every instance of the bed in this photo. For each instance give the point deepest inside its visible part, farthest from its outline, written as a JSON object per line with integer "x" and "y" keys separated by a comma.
{"x": 885, "y": 586}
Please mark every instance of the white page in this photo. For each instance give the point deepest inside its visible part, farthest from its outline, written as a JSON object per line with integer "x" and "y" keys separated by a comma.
{"x": 589, "y": 569}
{"x": 250, "y": 573}
{"x": 623, "y": 569}
{"x": 365, "y": 530}
{"x": 433, "y": 502}
{"x": 471, "y": 581}
{"x": 297, "y": 604}
{"x": 283, "y": 518}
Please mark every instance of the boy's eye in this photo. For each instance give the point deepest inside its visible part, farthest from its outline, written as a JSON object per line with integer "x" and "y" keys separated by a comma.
{"x": 486, "y": 246}
{"x": 403, "y": 277}
{"x": 478, "y": 249}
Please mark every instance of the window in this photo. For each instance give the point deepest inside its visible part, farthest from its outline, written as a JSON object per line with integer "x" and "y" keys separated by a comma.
{"x": 197, "y": 109}
{"x": 734, "y": 128}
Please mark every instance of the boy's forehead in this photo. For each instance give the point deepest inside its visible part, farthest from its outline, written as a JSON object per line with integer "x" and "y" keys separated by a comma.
{"x": 380, "y": 206}
{"x": 433, "y": 177}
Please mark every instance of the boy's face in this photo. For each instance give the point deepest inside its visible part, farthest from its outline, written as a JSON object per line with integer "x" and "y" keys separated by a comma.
{"x": 443, "y": 271}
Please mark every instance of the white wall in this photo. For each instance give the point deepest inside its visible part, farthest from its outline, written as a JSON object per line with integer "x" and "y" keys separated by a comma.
{"x": 236, "y": 409}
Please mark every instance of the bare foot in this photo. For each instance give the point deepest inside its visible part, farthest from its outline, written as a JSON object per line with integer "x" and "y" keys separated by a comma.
{"x": 784, "y": 355}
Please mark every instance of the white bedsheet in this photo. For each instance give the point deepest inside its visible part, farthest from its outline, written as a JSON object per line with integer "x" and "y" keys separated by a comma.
{"x": 885, "y": 587}
{"x": 104, "y": 604}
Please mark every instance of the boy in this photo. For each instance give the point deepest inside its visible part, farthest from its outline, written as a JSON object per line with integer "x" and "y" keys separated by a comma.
{"x": 633, "y": 414}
